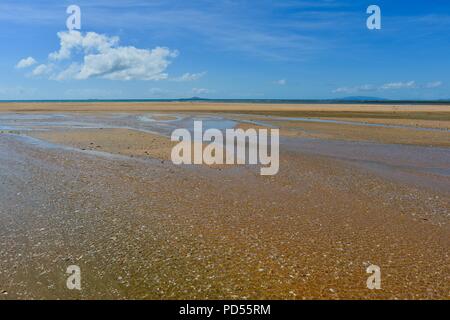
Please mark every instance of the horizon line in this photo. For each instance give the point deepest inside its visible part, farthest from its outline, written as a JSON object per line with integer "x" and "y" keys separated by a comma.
{"x": 351, "y": 100}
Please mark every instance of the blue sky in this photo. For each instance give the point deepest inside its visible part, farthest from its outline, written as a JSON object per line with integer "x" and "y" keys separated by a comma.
{"x": 134, "y": 49}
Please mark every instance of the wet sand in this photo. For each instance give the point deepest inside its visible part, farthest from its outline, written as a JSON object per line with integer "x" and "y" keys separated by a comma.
{"x": 71, "y": 193}
{"x": 391, "y": 134}
{"x": 436, "y": 124}
{"x": 117, "y": 141}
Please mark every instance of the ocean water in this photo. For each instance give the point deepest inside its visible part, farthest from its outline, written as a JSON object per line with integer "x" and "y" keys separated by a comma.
{"x": 349, "y": 100}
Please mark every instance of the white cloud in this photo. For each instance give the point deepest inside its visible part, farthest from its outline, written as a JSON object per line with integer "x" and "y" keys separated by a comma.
{"x": 362, "y": 88}
{"x": 25, "y": 63}
{"x": 200, "y": 91}
{"x": 434, "y": 84}
{"x": 69, "y": 73}
{"x": 398, "y": 85}
{"x": 386, "y": 86}
{"x": 42, "y": 69}
{"x": 281, "y": 82}
{"x": 189, "y": 77}
{"x": 74, "y": 40}
{"x": 102, "y": 57}
{"x": 127, "y": 63}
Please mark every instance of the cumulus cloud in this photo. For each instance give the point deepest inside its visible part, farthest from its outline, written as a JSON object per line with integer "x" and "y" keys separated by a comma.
{"x": 42, "y": 69}
{"x": 74, "y": 40}
{"x": 25, "y": 63}
{"x": 281, "y": 82}
{"x": 127, "y": 63}
{"x": 71, "y": 72}
{"x": 102, "y": 57}
{"x": 189, "y": 77}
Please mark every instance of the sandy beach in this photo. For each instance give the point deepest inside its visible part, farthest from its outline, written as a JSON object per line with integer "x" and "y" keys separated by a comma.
{"x": 199, "y": 106}
{"x": 92, "y": 184}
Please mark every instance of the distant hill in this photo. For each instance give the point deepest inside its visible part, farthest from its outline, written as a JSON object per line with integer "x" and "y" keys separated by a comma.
{"x": 354, "y": 99}
{"x": 192, "y": 99}
{"x": 361, "y": 98}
